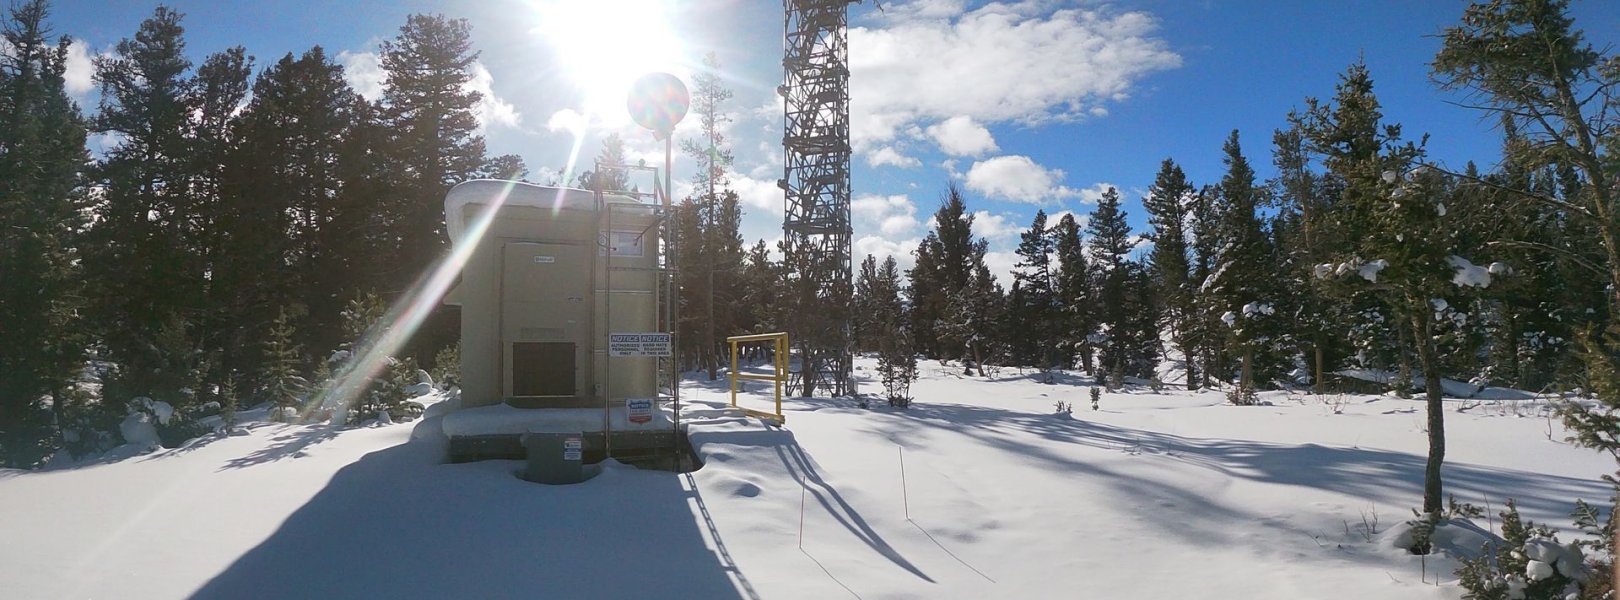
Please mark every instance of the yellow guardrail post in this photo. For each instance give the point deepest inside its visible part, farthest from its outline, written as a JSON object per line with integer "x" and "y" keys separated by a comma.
{"x": 778, "y": 376}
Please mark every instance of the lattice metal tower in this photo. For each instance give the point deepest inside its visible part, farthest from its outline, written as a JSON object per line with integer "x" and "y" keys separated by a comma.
{"x": 816, "y": 226}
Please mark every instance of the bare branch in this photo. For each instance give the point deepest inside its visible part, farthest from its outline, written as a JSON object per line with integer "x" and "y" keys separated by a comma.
{"x": 1573, "y": 257}
{"x": 1558, "y": 203}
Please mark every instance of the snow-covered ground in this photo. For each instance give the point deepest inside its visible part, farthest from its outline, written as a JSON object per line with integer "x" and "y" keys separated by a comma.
{"x": 1155, "y": 495}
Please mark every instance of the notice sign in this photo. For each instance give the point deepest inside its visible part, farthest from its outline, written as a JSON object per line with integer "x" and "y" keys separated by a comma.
{"x": 639, "y": 410}
{"x": 638, "y": 344}
{"x": 572, "y": 448}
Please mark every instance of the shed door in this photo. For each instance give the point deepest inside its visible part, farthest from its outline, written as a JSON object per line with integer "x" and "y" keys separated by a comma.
{"x": 545, "y": 321}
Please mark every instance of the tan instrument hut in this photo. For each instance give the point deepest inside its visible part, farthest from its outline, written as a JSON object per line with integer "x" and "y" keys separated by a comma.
{"x": 552, "y": 271}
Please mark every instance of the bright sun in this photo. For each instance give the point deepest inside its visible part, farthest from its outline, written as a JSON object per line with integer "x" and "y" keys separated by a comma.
{"x": 604, "y": 45}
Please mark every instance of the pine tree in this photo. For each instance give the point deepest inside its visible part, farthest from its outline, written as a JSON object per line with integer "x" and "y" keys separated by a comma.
{"x": 433, "y": 145}
{"x": 1304, "y": 234}
{"x": 1244, "y": 272}
{"x": 1167, "y": 204}
{"x": 946, "y": 261}
{"x": 975, "y": 314}
{"x": 928, "y": 298}
{"x": 371, "y": 395}
{"x": 279, "y": 382}
{"x": 709, "y": 95}
{"x": 1077, "y": 314}
{"x": 687, "y": 225}
{"x": 505, "y": 166}
{"x": 42, "y": 154}
{"x": 1143, "y": 314}
{"x": 149, "y": 279}
{"x": 1205, "y": 331}
{"x": 897, "y": 361}
{"x": 1110, "y": 246}
{"x": 1404, "y": 253}
{"x": 1529, "y": 66}
{"x": 716, "y": 251}
{"x": 1038, "y": 311}
{"x": 604, "y": 178}
{"x": 758, "y": 286}
{"x": 297, "y": 224}
{"x": 868, "y": 295}
{"x": 723, "y": 249}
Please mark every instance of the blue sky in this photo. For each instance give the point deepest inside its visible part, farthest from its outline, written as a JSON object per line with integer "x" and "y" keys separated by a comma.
{"x": 1027, "y": 105}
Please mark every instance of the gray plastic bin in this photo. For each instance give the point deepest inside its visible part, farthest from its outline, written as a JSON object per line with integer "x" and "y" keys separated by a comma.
{"x": 554, "y": 458}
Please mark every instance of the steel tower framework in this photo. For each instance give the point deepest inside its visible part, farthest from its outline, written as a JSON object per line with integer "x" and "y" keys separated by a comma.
{"x": 816, "y": 224}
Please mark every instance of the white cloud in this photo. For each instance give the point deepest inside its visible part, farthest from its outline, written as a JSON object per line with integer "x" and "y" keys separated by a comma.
{"x": 881, "y": 247}
{"x": 1094, "y": 193}
{"x": 80, "y": 76}
{"x": 925, "y": 10}
{"x": 364, "y": 72}
{"x": 898, "y": 224}
{"x": 961, "y": 136}
{"x": 887, "y": 155}
{"x": 997, "y": 63}
{"x": 994, "y": 227}
{"x": 491, "y": 109}
{"x": 755, "y": 193}
{"x": 892, "y": 215}
{"x": 1001, "y": 266}
{"x": 1019, "y": 179}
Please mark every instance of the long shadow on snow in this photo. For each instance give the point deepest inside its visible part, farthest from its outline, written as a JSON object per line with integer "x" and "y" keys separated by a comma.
{"x": 396, "y": 524}
{"x": 802, "y": 468}
{"x": 1162, "y": 502}
{"x": 1393, "y": 479}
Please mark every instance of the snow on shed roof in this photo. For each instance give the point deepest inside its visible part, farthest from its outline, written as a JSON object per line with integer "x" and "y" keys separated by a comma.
{"x": 490, "y": 192}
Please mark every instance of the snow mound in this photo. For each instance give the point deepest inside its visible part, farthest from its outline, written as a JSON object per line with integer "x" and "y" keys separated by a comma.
{"x": 163, "y": 411}
{"x": 1369, "y": 271}
{"x": 1468, "y": 274}
{"x": 1456, "y": 538}
{"x": 1548, "y": 556}
{"x": 139, "y": 430}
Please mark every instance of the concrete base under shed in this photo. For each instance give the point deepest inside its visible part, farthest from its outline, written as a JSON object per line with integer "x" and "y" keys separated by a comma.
{"x": 496, "y": 432}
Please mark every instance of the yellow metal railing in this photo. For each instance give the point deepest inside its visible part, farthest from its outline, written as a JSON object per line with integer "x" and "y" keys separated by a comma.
{"x": 779, "y": 375}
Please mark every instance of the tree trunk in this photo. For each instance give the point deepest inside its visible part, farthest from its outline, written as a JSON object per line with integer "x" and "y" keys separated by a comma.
{"x": 1192, "y": 368}
{"x": 1437, "y": 416}
{"x": 1246, "y": 380}
{"x": 1403, "y": 372}
{"x": 708, "y": 332}
{"x": 977, "y": 360}
{"x": 1321, "y": 364}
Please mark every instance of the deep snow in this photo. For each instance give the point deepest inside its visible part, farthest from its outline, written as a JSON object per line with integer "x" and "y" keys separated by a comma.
{"x": 1170, "y": 494}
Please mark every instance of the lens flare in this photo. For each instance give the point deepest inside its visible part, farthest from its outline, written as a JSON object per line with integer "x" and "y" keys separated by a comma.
{"x": 402, "y": 319}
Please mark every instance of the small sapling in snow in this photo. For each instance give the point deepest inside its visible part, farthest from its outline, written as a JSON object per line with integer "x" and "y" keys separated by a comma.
{"x": 1529, "y": 563}
{"x": 1096, "y": 397}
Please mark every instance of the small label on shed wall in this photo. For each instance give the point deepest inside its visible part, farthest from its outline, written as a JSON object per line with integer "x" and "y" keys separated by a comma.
{"x": 639, "y": 410}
